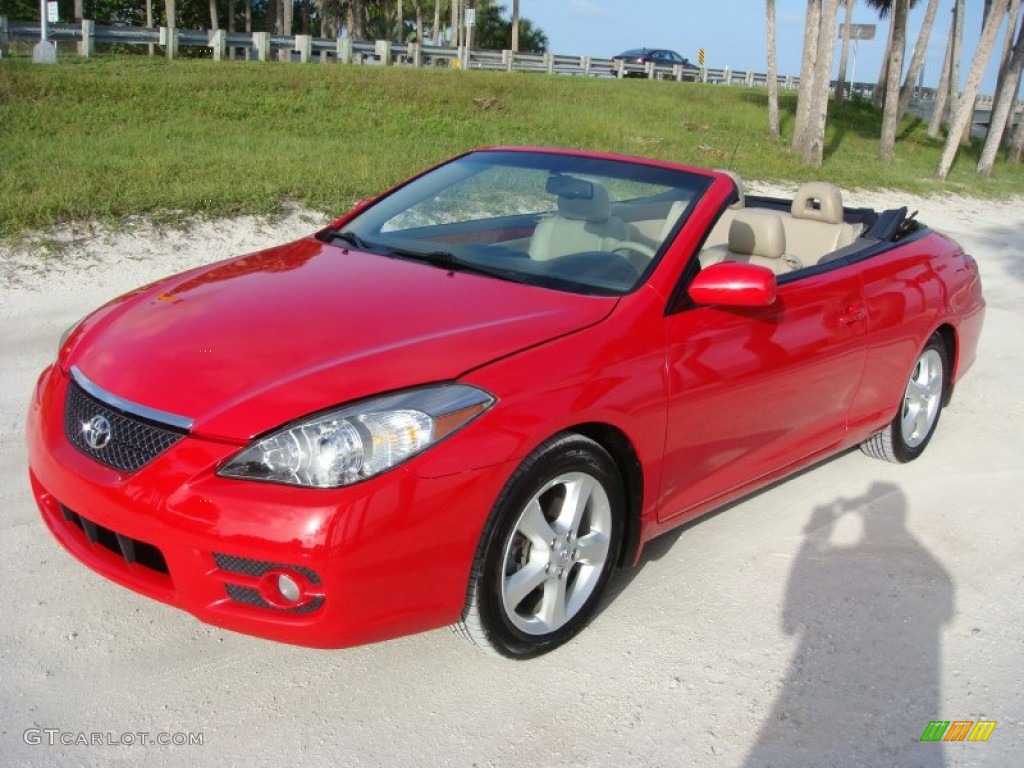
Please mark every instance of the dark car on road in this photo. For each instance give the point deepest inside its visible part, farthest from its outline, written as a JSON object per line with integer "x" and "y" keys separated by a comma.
{"x": 662, "y": 57}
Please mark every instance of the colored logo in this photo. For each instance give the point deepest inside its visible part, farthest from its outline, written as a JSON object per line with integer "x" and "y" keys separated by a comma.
{"x": 958, "y": 730}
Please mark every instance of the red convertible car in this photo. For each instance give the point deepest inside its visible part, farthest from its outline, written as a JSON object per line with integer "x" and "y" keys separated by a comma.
{"x": 470, "y": 399}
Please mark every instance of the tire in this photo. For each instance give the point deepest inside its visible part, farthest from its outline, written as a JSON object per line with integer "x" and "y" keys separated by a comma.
{"x": 547, "y": 551}
{"x": 909, "y": 433}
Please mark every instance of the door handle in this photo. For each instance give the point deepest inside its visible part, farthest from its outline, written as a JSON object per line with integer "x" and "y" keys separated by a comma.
{"x": 853, "y": 314}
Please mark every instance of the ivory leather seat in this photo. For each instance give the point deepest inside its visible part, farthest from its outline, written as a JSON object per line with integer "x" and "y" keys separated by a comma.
{"x": 755, "y": 237}
{"x": 720, "y": 232}
{"x": 581, "y": 224}
{"x": 815, "y": 226}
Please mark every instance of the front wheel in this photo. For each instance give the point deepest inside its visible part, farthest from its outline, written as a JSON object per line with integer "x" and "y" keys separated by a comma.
{"x": 906, "y": 437}
{"x": 547, "y": 551}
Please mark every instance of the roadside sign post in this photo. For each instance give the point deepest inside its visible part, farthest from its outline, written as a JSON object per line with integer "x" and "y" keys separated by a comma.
{"x": 44, "y": 51}
{"x": 858, "y": 32}
{"x": 470, "y": 23}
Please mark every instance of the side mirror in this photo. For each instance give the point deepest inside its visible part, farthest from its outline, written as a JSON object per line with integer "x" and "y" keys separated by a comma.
{"x": 734, "y": 284}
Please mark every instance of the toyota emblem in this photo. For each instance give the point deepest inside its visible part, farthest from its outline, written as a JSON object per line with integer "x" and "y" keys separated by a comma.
{"x": 96, "y": 432}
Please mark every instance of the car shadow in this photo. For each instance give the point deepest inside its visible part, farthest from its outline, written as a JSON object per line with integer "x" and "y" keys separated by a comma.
{"x": 1004, "y": 240}
{"x": 867, "y": 616}
{"x": 657, "y": 548}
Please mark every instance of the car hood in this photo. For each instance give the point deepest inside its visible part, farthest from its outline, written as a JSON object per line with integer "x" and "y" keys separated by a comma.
{"x": 246, "y": 345}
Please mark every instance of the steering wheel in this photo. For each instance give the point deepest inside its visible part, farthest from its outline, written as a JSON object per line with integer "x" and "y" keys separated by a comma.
{"x": 623, "y": 247}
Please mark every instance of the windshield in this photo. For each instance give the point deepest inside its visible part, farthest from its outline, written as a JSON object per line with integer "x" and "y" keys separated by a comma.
{"x": 572, "y": 223}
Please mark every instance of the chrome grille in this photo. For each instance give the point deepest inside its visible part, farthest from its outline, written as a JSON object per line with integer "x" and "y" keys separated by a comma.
{"x": 132, "y": 442}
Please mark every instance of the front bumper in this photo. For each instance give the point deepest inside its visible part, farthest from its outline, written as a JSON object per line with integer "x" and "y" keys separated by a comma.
{"x": 383, "y": 558}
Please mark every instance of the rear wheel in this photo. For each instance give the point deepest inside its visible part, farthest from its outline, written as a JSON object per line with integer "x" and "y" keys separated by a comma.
{"x": 908, "y": 434}
{"x": 547, "y": 552}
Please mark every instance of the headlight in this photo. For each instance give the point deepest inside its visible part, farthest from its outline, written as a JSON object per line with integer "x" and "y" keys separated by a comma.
{"x": 67, "y": 334}
{"x": 353, "y": 443}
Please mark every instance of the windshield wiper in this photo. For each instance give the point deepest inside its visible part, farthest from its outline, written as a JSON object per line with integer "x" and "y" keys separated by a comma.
{"x": 444, "y": 259}
{"x": 349, "y": 237}
{"x": 451, "y": 262}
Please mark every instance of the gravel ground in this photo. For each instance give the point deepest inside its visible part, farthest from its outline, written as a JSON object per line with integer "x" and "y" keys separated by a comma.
{"x": 824, "y": 621}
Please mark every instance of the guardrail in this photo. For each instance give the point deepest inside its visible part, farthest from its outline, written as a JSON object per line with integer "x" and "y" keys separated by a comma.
{"x": 344, "y": 50}
{"x": 304, "y": 48}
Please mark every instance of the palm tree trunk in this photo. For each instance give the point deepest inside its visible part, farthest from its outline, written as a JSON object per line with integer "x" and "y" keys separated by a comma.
{"x": 890, "y": 115}
{"x": 964, "y": 114}
{"x": 515, "y": 25}
{"x": 814, "y": 149}
{"x": 1007, "y": 52}
{"x": 419, "y": 21}
{"x": 844, "y": 51}
{"x": 812, "y": 32}
{"x": 357, "y": 16}
{"x": 437, "y": 23}
{"x": 149, "y": 23}
{"x": 941, "y": 104}
{"x": 773, "y": 75}
{"x": 878, "y": 97}
{"x": 1018, "y": 144}
{"x": 954, "y": 67}
{"x": 1006, "y": 100}
{"x": 456, "y": 25}
{"x": 231, "y": 26}
{"x": 917, "y": 61}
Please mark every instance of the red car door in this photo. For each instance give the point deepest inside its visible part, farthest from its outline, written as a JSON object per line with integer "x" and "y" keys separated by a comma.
{"x": 752, "y": 390}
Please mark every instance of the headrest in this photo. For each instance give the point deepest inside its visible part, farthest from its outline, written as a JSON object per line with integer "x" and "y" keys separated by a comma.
{"x": 739, "y": 188}
{"x": 595, "y": 208}
{"x": 757, "y": 233}
{"x": 819, "y": 201}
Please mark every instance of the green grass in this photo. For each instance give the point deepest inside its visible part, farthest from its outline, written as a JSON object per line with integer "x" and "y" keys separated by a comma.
{"x": 117, "y": 136}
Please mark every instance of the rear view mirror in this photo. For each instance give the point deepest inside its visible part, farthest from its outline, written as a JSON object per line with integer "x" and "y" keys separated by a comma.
{"x": 569, "y": 187}
{"x": 734, "y": 284}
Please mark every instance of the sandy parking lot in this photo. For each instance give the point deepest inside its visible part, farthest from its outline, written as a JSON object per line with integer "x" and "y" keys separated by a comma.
{"x": 822, "y": 622}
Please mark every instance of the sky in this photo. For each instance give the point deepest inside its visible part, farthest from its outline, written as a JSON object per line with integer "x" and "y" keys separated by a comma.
{"x": 732, "y": 32}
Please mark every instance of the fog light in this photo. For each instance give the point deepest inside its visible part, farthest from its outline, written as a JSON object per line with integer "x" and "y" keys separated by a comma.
{"x": 288, "y": 588}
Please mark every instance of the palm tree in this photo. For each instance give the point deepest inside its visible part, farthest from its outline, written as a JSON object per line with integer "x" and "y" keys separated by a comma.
{"x": 965, "y": 112}
{"x": 436, "y": 29}
{"x": 814, "y": 146}
{"x": 515, "y": 25}
{"x": 878, "y": 96}
{"x": 1006, "y": 100}
{"x": 773, "y": 76}
{"x": 894, "y": 67}
{"x": 941, "y": 104}
{"x": 1005, "y": 63}
{"x": 1018, "y": 145}
{"x": 845, "y": 51}
{"x": 917, "y": 61}
{"x": 812, "y": 33}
